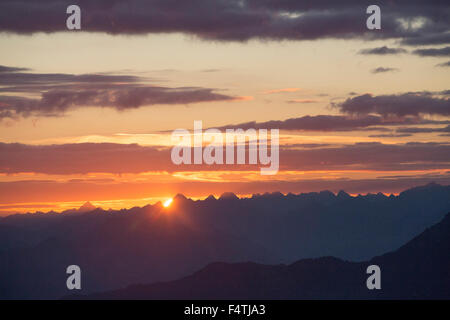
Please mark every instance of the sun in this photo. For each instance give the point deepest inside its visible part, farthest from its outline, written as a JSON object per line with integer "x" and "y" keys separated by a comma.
{"x": 167, "y": 203}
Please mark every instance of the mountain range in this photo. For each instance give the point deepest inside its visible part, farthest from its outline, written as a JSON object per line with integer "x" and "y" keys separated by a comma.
{"x": 418, "y": 270}
{"x": 116, "y": 248}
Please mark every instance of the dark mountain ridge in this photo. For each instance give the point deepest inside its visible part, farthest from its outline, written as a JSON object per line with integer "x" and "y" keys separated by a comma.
{"x": 115, "y": 248}
{"x": 418, "y": 270}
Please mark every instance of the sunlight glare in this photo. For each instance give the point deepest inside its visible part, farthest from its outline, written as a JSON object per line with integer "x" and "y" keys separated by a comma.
{"x": 167, "y": 202}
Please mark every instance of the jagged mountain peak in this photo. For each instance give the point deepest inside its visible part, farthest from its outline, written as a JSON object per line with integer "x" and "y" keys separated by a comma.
{"x": 228, "y": 196}
{"x": 87, "y": 206}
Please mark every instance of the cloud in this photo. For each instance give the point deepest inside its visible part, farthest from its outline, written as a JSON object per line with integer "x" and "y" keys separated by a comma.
{"x": 58, "y": 102}
{"x": 82, "y": 158}
{"x": 429, "y": 52}
{"x": 306, "y": 145}
{"x": 313, "y": 123}
{"x": 327, "y": 123}
{"x": 441, "y": 37}
{"x": 382, "y": 70}
{"x": 443, "y": 64}
{"x": 433, "y": 52}
{"x": 406, "y": 104}
{"x": 284, "y": 90}
{"x": 114, "y": 158}
{"x": 423, "y": 130}
{"x": 237, "y": 20}
{"x": 302, "y": 101}
{"x": 382, "y": 51}
{"x": 11, "y": 69}
{"x": 41, "y": 81}
{"x": 369, "y": 156}
{"x": 390, "y": 135}
{"x": 60, "y": 93}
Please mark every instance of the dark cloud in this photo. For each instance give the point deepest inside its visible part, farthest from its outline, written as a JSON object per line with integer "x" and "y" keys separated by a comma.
{"x": 377, "y": 129}
{"x": 333, "y": 123}
{"x": 433, "y": 52}
{"x": 443, "y": 64}
{"x": 41, "y": 80}
{"x": 390, "y": 135}
{"x": 11, "y": 69}
{"x": 82, "y": 158}
{"x": 237, "y": 20}
{"x": 62, "y": 92}
{"x": 423, "y": 130}
{"x": 382, "y": 51}
{"x": 313, "y": 123}
{"x": 406, "y": 104}
{"x": 382, "y": 70}
{"x": 442, "y": 37}
{"x": 132, "y": 158}
{"x": 370, "y": 156}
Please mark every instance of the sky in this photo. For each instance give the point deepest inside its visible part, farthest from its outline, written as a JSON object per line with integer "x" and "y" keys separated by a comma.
{"x": 87, "y": 115}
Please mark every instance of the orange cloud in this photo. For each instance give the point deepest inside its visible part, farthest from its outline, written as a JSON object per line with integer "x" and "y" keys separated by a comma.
{"x": 302, "y": 101}
{"x": 243, "y": 98}
{"x": 282, "y": 90}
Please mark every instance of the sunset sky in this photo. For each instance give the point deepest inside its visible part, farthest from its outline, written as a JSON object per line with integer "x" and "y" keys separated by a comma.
{"x": 87, "y": 115}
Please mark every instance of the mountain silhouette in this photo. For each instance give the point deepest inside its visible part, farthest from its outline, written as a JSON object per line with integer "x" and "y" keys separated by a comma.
{"x": 228, "y": 196}
{"x": 418, "y": 270}
{"x": 86, "y": 207}
{"x": 115, "y": 248}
